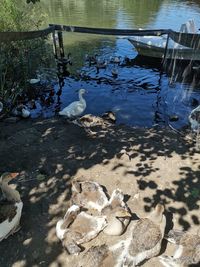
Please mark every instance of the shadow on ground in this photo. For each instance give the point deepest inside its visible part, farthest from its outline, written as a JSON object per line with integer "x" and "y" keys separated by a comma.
{"x": 50, "y": 153}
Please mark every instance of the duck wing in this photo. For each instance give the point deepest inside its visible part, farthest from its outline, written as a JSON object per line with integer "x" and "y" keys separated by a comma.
{"x": 90, "y": 195}
{"x": 74, "y": 109}
{"x": 145, "y": 236}
{"x": 7, "y": 211}
{"x": 98, "y": 256}
{"x": 86, "y": 227}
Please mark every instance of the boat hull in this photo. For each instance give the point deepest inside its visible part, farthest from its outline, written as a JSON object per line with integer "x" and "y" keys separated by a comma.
{"x": 157, "y": 51}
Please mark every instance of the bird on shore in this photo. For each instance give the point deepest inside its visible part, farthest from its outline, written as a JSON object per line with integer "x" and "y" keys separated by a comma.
{"x": 76, "y": 108}
{"x": 194, "y": 119}
{"x": 109, "y": 116}
{"x": 89, "y": 194}
{"x": 98, "y": 256}
{"x": 10, "y": 208}
{"x": 89, "y": 120}
{"x": 145, "y": 239}
{"x": 78, "y": 227}
{"x": 36, "y": 80}
{"x": 187, "y": 251}
{"x": 22, "y": 111}
{"x": 117, "y": 214}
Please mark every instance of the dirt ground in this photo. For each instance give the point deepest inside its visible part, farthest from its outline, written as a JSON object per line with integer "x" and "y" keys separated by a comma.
{"x": 49, "y": 153}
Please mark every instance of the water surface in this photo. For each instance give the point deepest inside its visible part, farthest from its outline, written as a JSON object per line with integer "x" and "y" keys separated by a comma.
{"x": 140, "y": 95}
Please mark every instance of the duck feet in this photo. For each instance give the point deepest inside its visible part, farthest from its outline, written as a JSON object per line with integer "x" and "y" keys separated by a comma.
{"x": 167, "y": 261}
{"x": 71, "y": 247}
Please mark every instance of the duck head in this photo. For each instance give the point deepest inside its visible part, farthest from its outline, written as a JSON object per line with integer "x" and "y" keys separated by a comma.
{"x": 7, "y": 177}
{"x": 9, "y": 193}
{"x": 76, "y": 187}
{"x": 72, "y": 212}
{"x": 157, "y": 214}
{"x": 117, "y": 220}
{"x": 82, "y": 91}
{"x": 122, "y": 214}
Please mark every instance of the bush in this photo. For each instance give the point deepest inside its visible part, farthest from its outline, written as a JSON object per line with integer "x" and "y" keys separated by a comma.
{"x": 20, "y": 60}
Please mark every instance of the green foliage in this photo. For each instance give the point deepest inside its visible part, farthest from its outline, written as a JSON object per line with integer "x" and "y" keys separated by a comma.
{"x": 20, "y": 60}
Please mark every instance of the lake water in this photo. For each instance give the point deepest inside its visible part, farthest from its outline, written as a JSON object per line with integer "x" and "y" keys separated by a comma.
{"x": 140, "y": 95}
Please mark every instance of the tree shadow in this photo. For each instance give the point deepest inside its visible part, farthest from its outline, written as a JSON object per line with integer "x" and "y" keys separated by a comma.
{"x": 49, "y": 154}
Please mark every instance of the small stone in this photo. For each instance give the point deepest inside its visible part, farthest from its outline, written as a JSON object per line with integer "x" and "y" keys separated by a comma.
{"x": 27, "y": 241}
{"x": 173, "y": 118}
{"x": 35, "y": 255}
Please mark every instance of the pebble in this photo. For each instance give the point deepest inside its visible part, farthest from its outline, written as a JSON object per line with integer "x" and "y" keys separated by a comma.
{"x": 173, "y": 118}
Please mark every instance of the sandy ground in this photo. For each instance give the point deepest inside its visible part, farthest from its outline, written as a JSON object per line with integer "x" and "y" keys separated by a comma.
{"x": 158, "y": 163}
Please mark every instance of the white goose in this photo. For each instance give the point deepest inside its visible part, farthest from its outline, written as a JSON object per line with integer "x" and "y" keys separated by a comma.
{"x": 77, "y": 228}
{"x": 76, "y": 108}
{"x": 22, "y": 111}
{"x": 11, "y": 208}
{"x": 89, "y": 194}
{"x": 194, "y": 119}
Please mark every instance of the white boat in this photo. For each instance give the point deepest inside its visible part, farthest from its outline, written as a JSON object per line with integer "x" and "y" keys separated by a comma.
{"x": 154, "y": 46}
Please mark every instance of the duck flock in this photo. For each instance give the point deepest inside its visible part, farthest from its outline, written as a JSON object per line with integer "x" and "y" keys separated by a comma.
{"x": 93, "y": 211}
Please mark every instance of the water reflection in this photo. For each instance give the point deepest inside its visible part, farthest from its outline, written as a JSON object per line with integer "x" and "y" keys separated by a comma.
{"x": 103, "y": 13}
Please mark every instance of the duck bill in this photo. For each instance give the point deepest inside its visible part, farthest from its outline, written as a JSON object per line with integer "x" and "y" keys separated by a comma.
{"x": 13, "y": 175}
{"x": 123, "y": 214}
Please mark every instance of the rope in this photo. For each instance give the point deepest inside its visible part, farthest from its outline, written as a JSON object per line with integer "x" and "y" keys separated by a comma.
{"x": 106, "y": 31}
{"x": 19, "y": 36}
{"x": 185, "y": 39}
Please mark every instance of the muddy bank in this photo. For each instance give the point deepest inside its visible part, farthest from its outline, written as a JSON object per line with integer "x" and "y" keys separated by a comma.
{"x": 157, "y": 163}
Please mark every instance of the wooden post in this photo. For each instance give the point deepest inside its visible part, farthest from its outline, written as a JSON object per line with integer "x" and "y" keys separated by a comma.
{"x": 54, "y": 45}
{"x": 166, "y": 46}
{"x": 61, "y": 46}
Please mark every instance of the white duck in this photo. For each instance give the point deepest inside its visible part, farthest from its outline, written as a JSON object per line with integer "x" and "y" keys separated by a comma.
{"x": 34, "y": 81}
{"x": 77, "y": 228}
{"x": 22, "y": 111}
{"x": 145, "y": 239}
{"x": 194, "y": 119}
{"x": 117, "y": 214}
{"x": 76, "y": 108}
{"x": 89, "y": 194}
{"x": 187, "y": 252}
{"x": 11, "y": 208}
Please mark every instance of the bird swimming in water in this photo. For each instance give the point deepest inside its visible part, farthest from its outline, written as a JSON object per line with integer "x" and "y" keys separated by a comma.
{"x": 76, "y": 108}
{"x": 78, "y": 227}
